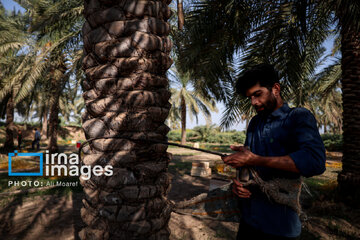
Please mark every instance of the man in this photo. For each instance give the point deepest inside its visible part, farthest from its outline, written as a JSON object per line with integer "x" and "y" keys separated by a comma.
{"x": 36, "y": 140}
{"x": 281, "y": 142}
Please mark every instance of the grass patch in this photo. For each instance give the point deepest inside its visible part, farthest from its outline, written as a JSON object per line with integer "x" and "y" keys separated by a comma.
{"x": 316, "y": 183}
{"x": 187, "y": 144}
{"x": 180, "y": 167}
{"x": 217, "y": 147}
{"x": 323, "y": 186}
{"x": 19, "y": 164}
{"x": 185, "y": 154}
{"x": 225, "y": 148}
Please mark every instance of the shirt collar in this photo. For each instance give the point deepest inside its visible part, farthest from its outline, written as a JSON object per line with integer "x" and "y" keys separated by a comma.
{"x": 280, "y": 112}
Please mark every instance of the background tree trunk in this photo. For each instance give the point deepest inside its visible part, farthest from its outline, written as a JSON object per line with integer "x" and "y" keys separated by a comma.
{"x": 126, "y": 93}
{"x": 44, "y": 127}
{"x": 9, "y": 125}
{"x": 349, "y": 178}
{"x": 183, "y": 121}
{"x": 54, "y": 118}
{"x": 56, "y": 87}
{"x": 181, "y": 18}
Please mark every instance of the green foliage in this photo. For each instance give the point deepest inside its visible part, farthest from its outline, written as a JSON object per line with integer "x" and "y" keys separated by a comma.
{"x": 185, "y": 101}
{"x": 205, "y": 132}
{"x": 222, "y": 38}
{"x": 180, "y": 167}
{"x": 230, "y": 137}
{"x": 332, "y": 142}
{"x": 191, "y": 136}
{"x": 239, "y": 137}
{"x": 221, "y": 138}
{"x": 227, "y": 138}
{"x": 174, "y": 136}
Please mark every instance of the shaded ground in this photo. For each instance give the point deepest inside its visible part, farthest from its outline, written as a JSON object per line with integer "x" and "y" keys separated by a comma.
{"x": 41, "y": 217}
{"x": 55, "y": 213}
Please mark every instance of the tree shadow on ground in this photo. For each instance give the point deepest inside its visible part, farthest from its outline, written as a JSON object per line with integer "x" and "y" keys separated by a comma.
{"x": 55, "y": 216}
{"x": 184, "y": 187}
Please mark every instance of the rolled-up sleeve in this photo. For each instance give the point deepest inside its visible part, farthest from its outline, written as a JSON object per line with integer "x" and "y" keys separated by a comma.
{"x": 310, "y": 156}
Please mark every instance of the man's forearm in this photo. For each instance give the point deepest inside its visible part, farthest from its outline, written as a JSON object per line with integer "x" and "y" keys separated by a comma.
{"x": 282, "y": 162}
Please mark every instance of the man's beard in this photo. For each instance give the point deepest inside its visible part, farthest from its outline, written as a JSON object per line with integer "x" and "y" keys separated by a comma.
{"x": 268, "y": 107}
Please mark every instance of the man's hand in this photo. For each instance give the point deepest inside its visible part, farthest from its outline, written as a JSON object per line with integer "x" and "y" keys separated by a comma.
{"x": 242, "y": 158}
{"x": 239, "y": 190}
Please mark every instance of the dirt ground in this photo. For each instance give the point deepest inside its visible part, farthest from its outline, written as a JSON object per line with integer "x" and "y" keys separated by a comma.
{"x": 57, "y": 216}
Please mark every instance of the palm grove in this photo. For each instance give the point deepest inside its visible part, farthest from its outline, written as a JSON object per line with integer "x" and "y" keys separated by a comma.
{"x": 124, "y": 48}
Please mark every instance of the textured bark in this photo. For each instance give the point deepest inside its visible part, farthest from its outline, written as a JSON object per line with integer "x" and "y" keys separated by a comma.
{"x": 54, "y": 122}
{"x": 349, "y": 178}
{"x": 56, "y": 87}
{"x": 183, "y": 121}
{"x": 9, "y": 125}
{"x": 126, "y": 93}
{"x": 44, "y": 126}
{"x": 181, "y": 18}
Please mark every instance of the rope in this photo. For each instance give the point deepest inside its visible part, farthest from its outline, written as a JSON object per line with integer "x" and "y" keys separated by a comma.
{"x": 270, "y": 188}
{"x": 151, "y": 141}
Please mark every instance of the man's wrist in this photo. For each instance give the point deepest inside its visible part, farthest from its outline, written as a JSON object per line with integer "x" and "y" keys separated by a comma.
{"x": 256, "y": 160}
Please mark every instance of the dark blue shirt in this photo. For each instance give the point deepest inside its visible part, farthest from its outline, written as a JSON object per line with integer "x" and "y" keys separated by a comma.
{"x": 286, "y": 131}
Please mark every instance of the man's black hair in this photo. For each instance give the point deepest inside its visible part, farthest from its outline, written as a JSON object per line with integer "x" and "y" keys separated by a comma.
{"x": 35, "y": 129}
{"x": 264, "y": 74}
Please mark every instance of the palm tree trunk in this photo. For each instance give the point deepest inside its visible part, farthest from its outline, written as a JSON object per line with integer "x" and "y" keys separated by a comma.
{"x": 183, "y": 121}
{"x": 126, "y": 93}
{"x": 181, "y": 18}
{"x": 54, "y": 118}
{"x": 349, "y": 177}
{"x": 57, "y": 82}
{"x": 44, "y": 127}
{"x": 9, "y": 125}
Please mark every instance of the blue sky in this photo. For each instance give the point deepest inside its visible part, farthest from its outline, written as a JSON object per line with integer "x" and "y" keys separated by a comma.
{"x": 9, "y": 5}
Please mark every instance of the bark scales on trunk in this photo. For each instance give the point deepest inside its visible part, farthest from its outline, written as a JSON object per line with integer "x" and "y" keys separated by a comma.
{"x": 9, "y": 125}
{"x": 56, "y": 87}
{"x": 183, "y": 121}
{"x": 54, "y": 122}
{"x": 44, "y": 126}
{"x": 126, "y": 93}
{"x": 181, "y": 18}
{"x": 349, "y": 178}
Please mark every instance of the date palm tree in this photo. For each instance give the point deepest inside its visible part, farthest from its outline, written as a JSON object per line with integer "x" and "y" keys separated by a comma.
{"x": 126, "y": 94}
{"x": 184, "y": 100}
{"x": 348, "y": 14}
{"x": 58, "y": 27}
{"x": 326, "y": 103}
{"x": 13, "y": 38}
